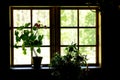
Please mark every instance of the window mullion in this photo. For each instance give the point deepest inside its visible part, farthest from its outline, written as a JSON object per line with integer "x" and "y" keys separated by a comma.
{"x": 97, "y": 37}
{"x": 12, "y": 39}
{"x": 78, "y": 27}
{"x": 57, "y": 29}
{"x": 52, "y": 31}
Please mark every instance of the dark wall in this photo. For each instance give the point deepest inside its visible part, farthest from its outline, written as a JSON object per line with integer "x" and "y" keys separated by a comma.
{"x": 93, "y": 74}
{"x": 110, "y": 34}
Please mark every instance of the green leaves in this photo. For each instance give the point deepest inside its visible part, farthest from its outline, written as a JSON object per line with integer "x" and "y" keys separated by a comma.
{"x": 34, "y": 28}
{"x": 23, "y": 37}
{"x": 32, "y": 37}
{"x": 39, "y": 50}
{"x": 16, "y": 45}
{"x": 56, "y": 60}
{"x": 18, "y": 38}
{"x": 72, "y": 48}
{"x": 26, "y": 32}
{"x": 40, "y": 37}
{"x": 27, "y": 24}
{"x": 72, "y": 56}
{"x": 20, "y": 28}
{"x": 31, "y": 48}
{"x": 24, "y": 50}
{"x": 29, "y": 38}
{"x": 16, "y": 33}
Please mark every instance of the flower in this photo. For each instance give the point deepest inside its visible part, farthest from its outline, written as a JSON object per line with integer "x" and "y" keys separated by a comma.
{"x": 29, "y": 38}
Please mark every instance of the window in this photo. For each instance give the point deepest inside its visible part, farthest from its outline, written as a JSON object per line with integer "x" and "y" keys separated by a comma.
{"x": 64, "y": 26}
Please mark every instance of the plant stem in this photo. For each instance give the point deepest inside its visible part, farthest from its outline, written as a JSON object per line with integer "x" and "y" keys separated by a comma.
{"x": 35, "y": 52}
{"x": 36, "y": 31}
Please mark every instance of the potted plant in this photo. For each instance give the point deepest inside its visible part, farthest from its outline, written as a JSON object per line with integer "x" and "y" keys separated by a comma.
{"x": 30, "y": 38}
{"x": 68, "y": 67}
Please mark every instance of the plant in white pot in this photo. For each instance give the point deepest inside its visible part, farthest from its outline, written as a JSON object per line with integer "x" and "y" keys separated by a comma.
{"x": 30, "y": 38}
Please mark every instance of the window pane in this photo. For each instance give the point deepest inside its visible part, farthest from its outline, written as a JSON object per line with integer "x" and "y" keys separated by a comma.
{"x": 20, "y": 58}
{"x": 20, "y": 17}
{"x": 90, "y": 52}
{"x": 45, "y": 53}
{"x": 68, "y": 18}
{"x": 68, "y": 36}
{"x": 42, "y": 16}
{"x": 62, "y": 49}
{"x": 87, "y": 18}
{"x": 87, "y": 36}
{"x": 46, "y": 38}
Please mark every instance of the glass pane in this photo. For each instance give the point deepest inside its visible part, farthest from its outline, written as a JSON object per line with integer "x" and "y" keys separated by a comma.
{"x": 46, "y": 38}
{"x": 87, "y": 18}
{"x": 20, "y": 43}
{"x": 90, "y": 52}
{"x": 68, "y": 18}
{"x": 45, "y": 53}
{"x": 20, "y": 58}
{"x": 62, "y": 51}
{"x": 68, "y": 36}
{"x": 87, "y": 36}
{"x": 42, "y": 16}
{"x": 20, "y": 17}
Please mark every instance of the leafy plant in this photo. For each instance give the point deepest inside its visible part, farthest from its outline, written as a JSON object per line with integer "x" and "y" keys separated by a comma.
{"x": 29, "y": 38}
{"x": 69, "y": 65}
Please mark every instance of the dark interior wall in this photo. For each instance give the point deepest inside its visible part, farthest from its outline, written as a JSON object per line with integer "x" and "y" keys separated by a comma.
{"x": 110, "y": 40}
{"x": 110, "y": 34}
